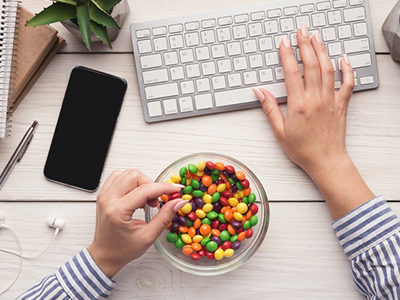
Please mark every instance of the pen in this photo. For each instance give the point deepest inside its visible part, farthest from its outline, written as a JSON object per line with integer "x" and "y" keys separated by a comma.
{"x": 18, "y": 153}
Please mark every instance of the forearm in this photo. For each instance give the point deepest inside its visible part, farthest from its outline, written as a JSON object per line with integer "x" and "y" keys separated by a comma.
{"x": 342, "y": 187}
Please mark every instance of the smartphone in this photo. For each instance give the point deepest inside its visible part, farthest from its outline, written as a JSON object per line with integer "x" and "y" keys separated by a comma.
{"x": 85, "y": 128}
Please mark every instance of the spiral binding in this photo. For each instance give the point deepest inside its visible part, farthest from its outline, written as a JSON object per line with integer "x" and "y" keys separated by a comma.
{"x": 9, "y": 21}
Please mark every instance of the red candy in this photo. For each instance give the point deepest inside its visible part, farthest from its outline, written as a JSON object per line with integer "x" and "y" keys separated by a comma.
{"x": 175, "y": 196}
{"x": 254, "y": 209}
{"x": 249, "y": 233}
{"x": 230, "y": 169}
{"x": 195, "y": 256}
{"x": 210, "y": 165}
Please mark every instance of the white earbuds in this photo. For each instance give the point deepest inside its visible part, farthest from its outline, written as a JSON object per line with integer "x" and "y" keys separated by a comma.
{"x": 2, "y": 216}
{"x": 56, "y": 223}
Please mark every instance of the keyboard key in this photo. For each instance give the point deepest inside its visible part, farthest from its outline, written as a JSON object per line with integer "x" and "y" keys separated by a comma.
{"x": 176, "y": 41}
{"x": 203, "y": 85}
{"x": 218, "y": 82}
{"x": 150, "y": 61}
{"x": 160, "y": 44}
{"x": 224, "y": 66}
{"x": 192, "y": 26}
{"x": 160, "y": 75}
{"x": 192, "y": 39}
{"x": 278, "y": 40}
{"x": 239, "y": 32}
{"x": 170, "y": 58}
{"x": 240, "y": 63}
{"x": 318, "y": 19}
{"x": 258, "y": 15}
{"x": 335, "y": 49}
{"x": 160, "y": 91}
{"x": 144, "y": 46}
{"x": 255, "y": 29}
{"x": 186, "y": 55}
{"x": 185, "y": 104}
{"x": 256, "y": 61}
{"x": 250, "y": 77}
{"x": 300, "y": 20}
{"x": 202, "y": 53}
{"x": 265, "y": 75}
{"x": 234, "y": 80}
{"x": 218, "y": 51}
{"x": 159, "y": 30}
{"x": 334, "y": 17}
{"x": 177, "y": 73}
{"x": 225, "y": 21}
{"x": 287, "y": 24}
{"x": 192, "y": 70}
{"x": 328, "y": 34}
{"x": 244, "y": 95}
{"x": 358, "y": 61}
{"x": 271, "y": 27}
{"x": 170, "y": 106}
{"x": 274, "y": 13}
{"x": 249, "y": 46}
{"x": 208, "y": 68}
{"x": 358, "y": 45}
{"x": 279, "y": 74}
{"x": 354, "y": 14}
{"x": 208, "y": 37}
{"x": 306, "y": 8}
{"x": 154, "y": 109}
{"x": 344, "y": 31}
{"x": 356, "y": 2}
{"x": 323, "y": 5}
{"x": 187, "y": 87}
{"x": 208, "y": 23}
{"x": 224, "y": 34}
{"x": 203, "y": 101}
{"x": 142, "y": 33}
{"x": 234, "y": 48}
{"x": 360, "y": 29}
{"x": 271, "y": 58}
{"x": 366, "y": 80}
{"x": 243, "y": 18}
{"x": 292, "y": 10}
{"x": 175, "y": 28}
{"x": 339, "y": 3}
{"x": 265, "y": 43}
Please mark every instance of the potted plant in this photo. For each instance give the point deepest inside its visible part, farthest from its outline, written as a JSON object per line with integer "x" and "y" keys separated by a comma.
{"x": 87, "y": 19}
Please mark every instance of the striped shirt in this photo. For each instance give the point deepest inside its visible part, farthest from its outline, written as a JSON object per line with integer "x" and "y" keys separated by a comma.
{"x": 370, "y": 237}
{"x": 80, "y": 278}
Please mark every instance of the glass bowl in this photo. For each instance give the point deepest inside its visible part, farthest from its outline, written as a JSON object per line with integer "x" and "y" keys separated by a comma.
{"x": 205, "y": 266}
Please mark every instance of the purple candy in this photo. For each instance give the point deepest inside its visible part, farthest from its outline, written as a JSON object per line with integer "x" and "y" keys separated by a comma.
{"x": 193, "y": 205}
{"x": 182, "y": 221}
{"x": 236, "y": 224}
{"x": 234, "y": 188}
{"x": 175, "y": 219}
{"x": 207, "y": 171}
{"x": 233, "y": 176}
{"x": 199, "y": 202}
{"x": 235, "y": 245}
{"x": 226, "y": 174}
{"x": 198, "y": 231}
{"x": 216, "y": 239}
{"x": 217, "y": 206}
{"x": 202, "y": 187}
{"x": 174, "y": 227}
{"x": 162, "y": 204}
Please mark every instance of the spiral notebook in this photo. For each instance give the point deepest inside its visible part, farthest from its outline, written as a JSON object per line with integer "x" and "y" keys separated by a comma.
{"x": 25, "y": 52}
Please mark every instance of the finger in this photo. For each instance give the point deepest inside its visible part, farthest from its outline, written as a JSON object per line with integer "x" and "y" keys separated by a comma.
{"x": 145, "y": 192}
{"x": 109, "y": 182}
{"x": 348, "y": 79}
{"x": 272, "y": 111}
{"x": 326, "y": 68}
{"x": 128, "y": 181}
{"x": 161, "y": 220}
{"x": 293, "y": 79}
{"x": 312, "y": 75}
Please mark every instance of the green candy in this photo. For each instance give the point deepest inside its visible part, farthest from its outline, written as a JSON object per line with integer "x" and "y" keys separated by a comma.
{"x": 205, "y": 241}
{"x": 245, "y": 200}
{"x": 215, "y": 197}
{"x": 182, "y": 172}
{"x": 189, "y": 223}
{"x": 234, "y": 238}
{"x": 192, "y": 168}
{"x": 172, "y": 237}
{"x": 206, "y": 221}
{"x": 224, "y": 236}
{"x": 252, "y": 198}
{"x": 253, "y": 221}
{"x": 239, "y": 186}
{"x": 212, "y": 215}
{"x": 195, "y": 184}
{"x": 211, "y": 246}
{"x": 179, "y": 243}
{"x": 230, "y": 179}
{"x": 221, "y": 218}
{"x": 214, "y": 177}
{"x": 183, "y": 181}
{"x": 197, "y": 193}
{"x": 215, "y": 172}
{"x": 187, "y": 189}
{"x": 247, "y": 225}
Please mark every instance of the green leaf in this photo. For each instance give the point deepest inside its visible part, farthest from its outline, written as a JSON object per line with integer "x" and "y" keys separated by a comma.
{"x": 82, "y": 13}
{"x": 100, "y": 16}
{"x": 71, "y": 2}
{"x": 101, "y": 32}
{"x": 106, "y": 4}
{"x": 56, "y": 12}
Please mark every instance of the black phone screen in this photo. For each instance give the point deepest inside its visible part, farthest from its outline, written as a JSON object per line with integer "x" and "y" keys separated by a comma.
{"x": 84, "y": 129}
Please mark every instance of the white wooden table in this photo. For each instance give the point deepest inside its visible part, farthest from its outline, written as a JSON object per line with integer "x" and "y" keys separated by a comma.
{"x": 300, "y": 257}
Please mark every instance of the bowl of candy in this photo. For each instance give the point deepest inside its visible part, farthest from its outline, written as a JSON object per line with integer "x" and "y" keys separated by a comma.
{"x": 225, "y": 220}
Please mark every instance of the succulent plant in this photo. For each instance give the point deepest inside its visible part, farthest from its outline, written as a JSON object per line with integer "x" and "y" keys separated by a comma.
{"x": 92, "y": 15}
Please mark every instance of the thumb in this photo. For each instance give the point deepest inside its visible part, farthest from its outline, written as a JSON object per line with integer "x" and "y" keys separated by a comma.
{"x": 164, "y": 216}
{"x": 271, "y": 109}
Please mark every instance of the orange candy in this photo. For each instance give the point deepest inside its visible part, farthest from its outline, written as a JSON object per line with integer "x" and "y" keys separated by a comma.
{"x": 192, "y": 232}
{"x": 228, "y": 185}
{"x": 241, "y": 236}
{"x": 224, "y": 209}
{"x": 187, "y": 250}
{"x": 169, "y": 225}
{"x": 234, "y": 209}
{"x": 196, "y": 177}
{"x": 164, "y": 198}
{"x": 205, "y": 229}
{"x": 231, "y": 230}
{"x": 228, "y": 215}
{"x": 197, "y": 223}
{"x": 179, "y": 212}
{"x": 206, "y": 180}
{"x": 183, "y": 229}
{"x": 212, "y": 189}
{"x": 215, "y": 232}
{"x": 240, "y": 175}
{"x": 249, "y": 215}
{"x": 247, "y": 191}
{"x": 196, "y": 246}
{"x": 223, "y": 177}
{"x": 219, "y": 166}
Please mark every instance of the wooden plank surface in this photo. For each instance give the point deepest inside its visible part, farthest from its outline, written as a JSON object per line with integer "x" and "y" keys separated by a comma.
{"x": 299, "y": 259}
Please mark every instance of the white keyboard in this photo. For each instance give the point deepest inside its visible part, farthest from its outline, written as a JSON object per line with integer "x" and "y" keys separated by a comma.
{"x": 209, "y": 62}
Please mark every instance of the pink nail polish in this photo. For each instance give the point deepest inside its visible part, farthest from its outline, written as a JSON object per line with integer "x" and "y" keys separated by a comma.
{"x": 346, "y": 59}
{"x": 304, "y": 30}
{"x": 178, "y": 185}
{"x": 179, "y": 205}
{"x": 285, "y": 42}
{"x": 260, "y": 96}
{"x": 318, "y": 38}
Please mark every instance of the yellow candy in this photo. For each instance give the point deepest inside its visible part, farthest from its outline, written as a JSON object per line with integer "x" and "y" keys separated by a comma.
{"x": 186, "y": 238}
{"x": 238, "y": 216}
{"x": 197, "y": 238}
{"x": 201, "y": 166}
{"x": 187, "y": 197}
{"x": 170, "y": 181}
{"x": 221, "y": 187}
{"x": 208, "y": 235}
{"x": 188, "y": 181}
{"x": 186, "y": 209}
{"x": 207, "y": 199}
{"x": 200, "y": 213}
{"x": 236, "y": 195}
{"x": 200, "y": 173}
{"x": 176, "y": 178}
{"x": 208, "y": 207}
{"x": 229, "y": 252}
{"x": 242, "y": 208}
{"x": 219, "y": 254}
{"x": 233, "y": 201}
{"x": 241, "y": 194}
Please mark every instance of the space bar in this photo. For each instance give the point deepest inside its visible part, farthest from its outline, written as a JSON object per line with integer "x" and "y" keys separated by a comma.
{"x": 245, "y": 95}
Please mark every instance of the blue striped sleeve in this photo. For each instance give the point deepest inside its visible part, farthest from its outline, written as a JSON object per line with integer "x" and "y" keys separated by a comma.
{"x": 79, "y": 278}
{"x": 370, "y": 237}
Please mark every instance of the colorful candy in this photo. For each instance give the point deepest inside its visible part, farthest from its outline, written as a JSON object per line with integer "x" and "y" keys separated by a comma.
{"x": 220, "y": 213}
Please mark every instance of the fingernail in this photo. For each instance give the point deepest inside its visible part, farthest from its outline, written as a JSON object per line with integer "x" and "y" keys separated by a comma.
{"x": 179, "y": 205}
{"x": 346, "y": 59}
{"x": 178, "y": 185}
{"x": 318, "y": 38}
{"x": 304, "y": 30}
{"x": 285, "y": 42}
{"x": 260, "y": 96}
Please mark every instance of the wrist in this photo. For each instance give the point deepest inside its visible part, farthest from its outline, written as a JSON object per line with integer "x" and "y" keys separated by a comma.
{"x": 104, "y": 261}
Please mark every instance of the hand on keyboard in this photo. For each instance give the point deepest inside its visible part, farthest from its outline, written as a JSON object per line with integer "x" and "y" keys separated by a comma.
{"x": 313, "y": 132}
